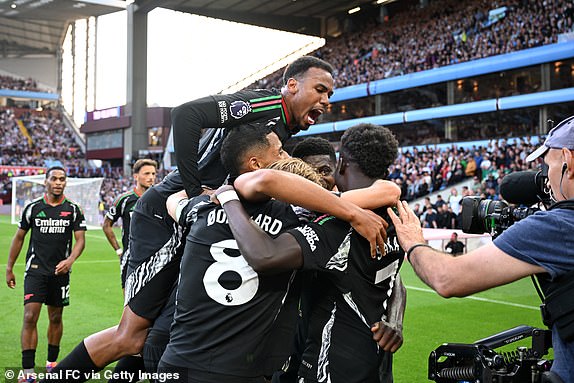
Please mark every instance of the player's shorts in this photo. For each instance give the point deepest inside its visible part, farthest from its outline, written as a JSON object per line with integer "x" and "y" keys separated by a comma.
{"x": 154, "y": 294}
{"x": 53, "y": 290}
{"x": 155, "y": 250}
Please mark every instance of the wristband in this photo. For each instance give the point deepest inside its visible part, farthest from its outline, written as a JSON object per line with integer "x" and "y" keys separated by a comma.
{"x": 226, "y": 196}
{"x": 409, "y": 251}
{"x": 119, "y": 251}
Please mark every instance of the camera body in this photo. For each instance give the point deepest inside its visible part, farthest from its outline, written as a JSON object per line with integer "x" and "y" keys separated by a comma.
{"x": 479, "y": 362}
{"x": 487, "y": 216}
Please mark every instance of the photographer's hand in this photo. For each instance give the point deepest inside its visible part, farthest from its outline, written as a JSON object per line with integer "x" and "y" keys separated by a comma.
{"x": 407, "y": 225}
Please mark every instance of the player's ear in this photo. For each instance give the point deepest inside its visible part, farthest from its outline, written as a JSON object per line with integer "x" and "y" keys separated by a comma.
{"x": 342, "y": 165}
{"x": 253, "y": 164}
{"x": 292, "y": 85}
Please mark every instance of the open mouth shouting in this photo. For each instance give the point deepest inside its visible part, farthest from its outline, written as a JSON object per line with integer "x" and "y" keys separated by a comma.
{"x": 313, "y": 116}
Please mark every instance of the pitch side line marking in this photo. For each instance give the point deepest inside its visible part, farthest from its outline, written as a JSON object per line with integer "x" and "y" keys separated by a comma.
{"x": 479, "y": 299}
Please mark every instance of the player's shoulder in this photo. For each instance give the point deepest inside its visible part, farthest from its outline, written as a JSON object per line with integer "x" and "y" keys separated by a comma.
{"x": 35, "y": 203}
{"x": 130, "y": 194}
{"x": 73, "y": 204}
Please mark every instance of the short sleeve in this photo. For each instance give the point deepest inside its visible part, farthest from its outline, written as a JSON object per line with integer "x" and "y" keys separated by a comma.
{"x": 320, "y": 242}
{"x": 544, "y": 239}
{"x": 80, "y": 221}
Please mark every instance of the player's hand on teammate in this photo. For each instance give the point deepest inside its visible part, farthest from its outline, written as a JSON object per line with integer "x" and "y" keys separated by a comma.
{"x": 220, "y": 190}
{"x": 388, "y": 337}
{"x": 407, "y": 225}
{"x": 373, "y": 228}
{"x": 63, "y": 267}
{"x": 10, "y": 279}
{"x": 207, "y": 191}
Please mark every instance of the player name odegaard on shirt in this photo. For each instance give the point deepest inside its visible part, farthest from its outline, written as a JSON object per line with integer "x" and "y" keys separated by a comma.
{"x": 266, "y": 223}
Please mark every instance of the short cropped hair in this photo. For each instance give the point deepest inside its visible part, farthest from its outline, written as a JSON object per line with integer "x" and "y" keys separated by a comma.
{"x": 302, "y": 65}
{"x": 299, "y": 167}
{"x": 143, "y": 162}
{"x": 55, "y": 168}
{"x": 239, "y": 141}
{"x": 372, "y": 147}
{"x": 313, "y": 146}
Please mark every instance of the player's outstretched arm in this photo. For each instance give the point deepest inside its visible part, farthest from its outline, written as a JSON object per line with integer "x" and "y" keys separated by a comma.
{"x": 299, "y": 191}
{"x": 15, "y": 248}
{"x": 261, "y": 251}
{"x": 380, "y": 193}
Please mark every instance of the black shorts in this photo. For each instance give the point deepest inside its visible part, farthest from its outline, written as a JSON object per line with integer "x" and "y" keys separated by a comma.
{"x": 53, "y": 290}
{"x": 152, "y": 297}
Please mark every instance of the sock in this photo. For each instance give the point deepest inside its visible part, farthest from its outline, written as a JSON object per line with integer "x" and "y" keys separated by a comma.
{"x": 28, "y": 359}
{"x": 53, "y": 352}
{"x": 130, "y": 364}
{"x": 77, "y": 363}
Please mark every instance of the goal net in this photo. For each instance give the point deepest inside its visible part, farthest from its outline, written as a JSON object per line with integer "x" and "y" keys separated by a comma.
{"x": 84, "y": 191}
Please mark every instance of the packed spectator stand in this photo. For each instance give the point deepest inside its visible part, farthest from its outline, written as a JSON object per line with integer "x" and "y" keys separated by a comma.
{"x": 443, "y": 33}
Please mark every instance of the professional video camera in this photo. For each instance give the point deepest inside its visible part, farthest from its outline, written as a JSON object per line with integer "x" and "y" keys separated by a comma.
{"x": 480, "y": 363}
{"x": 521, "y": 188}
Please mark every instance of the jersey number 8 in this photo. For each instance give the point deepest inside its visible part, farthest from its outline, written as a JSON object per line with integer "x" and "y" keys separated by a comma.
{"x": 223, "y": 264}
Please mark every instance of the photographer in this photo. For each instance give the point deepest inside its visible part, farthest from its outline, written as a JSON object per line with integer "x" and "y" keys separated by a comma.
{"x": 540, "y": 244}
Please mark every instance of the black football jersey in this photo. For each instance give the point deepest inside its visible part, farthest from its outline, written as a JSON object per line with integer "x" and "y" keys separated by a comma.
{"x": 220, "y": 112}
{"x": 353, "y": 293}
{"x": 225, "y": 311}
{"x": 51, "y": 233}
{"x": 123, "y": 207}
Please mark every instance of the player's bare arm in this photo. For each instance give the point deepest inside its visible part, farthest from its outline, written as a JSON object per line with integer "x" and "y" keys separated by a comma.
{"x": 15, "y": 247}
{"x": 109, "y": 232}
{"x": 80, "y": 242}
{"x": 266, "y": 183}
{"x": 380, "y": 193}
{"x": 389, "y": 333}
{"x": 262, "y": 252}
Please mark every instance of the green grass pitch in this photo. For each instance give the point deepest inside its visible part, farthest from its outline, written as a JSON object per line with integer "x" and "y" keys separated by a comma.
{"x": 96, "y": 303}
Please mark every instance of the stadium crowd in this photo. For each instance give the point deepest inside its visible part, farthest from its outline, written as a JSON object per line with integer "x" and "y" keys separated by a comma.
{"x": 15, "y": 83}
{"x": 418, "y": 171}
{"x": 443, "y": 33}
{"x": 30, "y": 138}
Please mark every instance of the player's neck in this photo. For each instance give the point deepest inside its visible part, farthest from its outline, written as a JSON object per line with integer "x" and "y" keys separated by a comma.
{"x": 53, "y": 200}
{"x": 139, "y": 190}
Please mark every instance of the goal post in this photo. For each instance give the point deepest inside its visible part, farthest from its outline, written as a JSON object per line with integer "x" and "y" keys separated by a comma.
{"x": 83, "y": 191}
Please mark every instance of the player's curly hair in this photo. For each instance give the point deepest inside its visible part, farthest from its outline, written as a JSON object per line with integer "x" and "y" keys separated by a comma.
{"x": 239, "y": 141}
{"x": 302, "y": 65}
{"x": 372, "y": 147}
{"x": 299, "y": 167}
{"x": 313, "y": 146}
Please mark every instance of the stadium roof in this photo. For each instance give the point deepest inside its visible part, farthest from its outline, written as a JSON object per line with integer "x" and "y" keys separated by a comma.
{"x": 29, "y": 27}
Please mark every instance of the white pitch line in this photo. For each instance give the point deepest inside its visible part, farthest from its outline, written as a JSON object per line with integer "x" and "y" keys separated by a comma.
{"x": 480, "y": 299}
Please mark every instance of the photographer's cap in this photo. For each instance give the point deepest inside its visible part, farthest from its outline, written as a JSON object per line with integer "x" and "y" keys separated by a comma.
{"x": 562, "y": 136}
